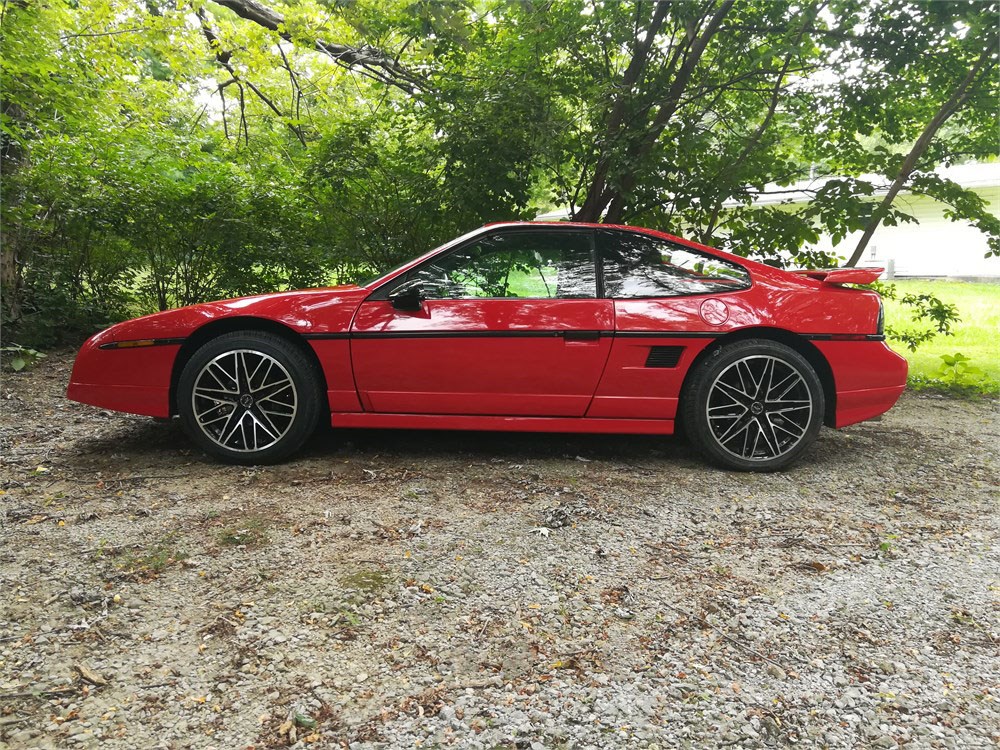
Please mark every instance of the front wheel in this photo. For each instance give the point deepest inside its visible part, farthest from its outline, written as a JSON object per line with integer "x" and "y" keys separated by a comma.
{"x": 754, "y": 405}
{"x": 249, "y": 397}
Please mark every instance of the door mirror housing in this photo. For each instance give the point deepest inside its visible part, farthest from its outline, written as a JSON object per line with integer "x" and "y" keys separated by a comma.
{"x": 408, "y": 297}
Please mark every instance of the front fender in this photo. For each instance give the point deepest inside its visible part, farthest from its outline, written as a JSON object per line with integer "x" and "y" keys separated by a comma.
{"x": 128, "y": 366}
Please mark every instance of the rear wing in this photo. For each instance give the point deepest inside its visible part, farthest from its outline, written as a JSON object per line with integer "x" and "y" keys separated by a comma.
{"x": 843, "y": 275}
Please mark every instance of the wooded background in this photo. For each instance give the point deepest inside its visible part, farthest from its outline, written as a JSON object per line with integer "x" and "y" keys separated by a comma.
{"x": 159, "y": 153}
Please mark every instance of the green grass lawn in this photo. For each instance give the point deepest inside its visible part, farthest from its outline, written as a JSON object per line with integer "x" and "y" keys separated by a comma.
{"x": 977, "y": 336}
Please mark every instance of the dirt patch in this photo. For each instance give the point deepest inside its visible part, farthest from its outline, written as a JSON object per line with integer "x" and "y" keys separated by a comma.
{"x": 484, "y": 590}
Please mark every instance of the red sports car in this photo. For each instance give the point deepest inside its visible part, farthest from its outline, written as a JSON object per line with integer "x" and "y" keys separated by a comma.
{"x": 526, "y": 327}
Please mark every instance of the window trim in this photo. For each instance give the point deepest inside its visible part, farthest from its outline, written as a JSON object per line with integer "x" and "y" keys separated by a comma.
{"x": 680, "y": 246}
{"x": 383, "y": 292}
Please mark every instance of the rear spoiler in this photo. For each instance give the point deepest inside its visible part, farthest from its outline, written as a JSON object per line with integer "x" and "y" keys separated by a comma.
{"x": 843, "y": 275}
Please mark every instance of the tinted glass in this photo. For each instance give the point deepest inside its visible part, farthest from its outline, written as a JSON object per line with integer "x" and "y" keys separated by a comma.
{"x": 637, "y": 265}
{"x": 521, "y": 265}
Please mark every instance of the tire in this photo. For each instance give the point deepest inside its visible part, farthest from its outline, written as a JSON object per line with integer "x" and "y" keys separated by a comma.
{"x": 753, "y": 405}
{"x": 249, "y": 397}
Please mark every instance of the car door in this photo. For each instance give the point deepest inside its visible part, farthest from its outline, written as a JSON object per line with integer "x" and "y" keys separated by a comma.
{"x": 671, "y": 301}
{"x": 508, "y": 323}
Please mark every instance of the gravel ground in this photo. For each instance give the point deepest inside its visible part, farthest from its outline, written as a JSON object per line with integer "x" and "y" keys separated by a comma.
{"x": 412, "y": 589}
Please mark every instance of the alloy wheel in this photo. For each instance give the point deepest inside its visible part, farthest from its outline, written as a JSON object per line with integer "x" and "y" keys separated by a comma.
{"x": 244, "y": 400}
{"x": 759, "y": 408}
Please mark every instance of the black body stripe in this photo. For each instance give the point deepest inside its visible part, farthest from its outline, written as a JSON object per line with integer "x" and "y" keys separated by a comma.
{"x": 668, "y": 334}
{"x": 572, "y": 333}
{"x": 478, "y": 334}
{"x": 836, "y": 336}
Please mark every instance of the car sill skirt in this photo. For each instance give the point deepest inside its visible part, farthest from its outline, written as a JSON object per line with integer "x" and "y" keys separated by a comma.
{"x": 501, "y": 423}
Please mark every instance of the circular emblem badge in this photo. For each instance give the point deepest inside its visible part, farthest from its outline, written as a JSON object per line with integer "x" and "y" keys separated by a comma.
{"x": 714, "y": 312}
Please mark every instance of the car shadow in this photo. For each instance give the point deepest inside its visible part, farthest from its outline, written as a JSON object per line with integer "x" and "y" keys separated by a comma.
{"x": 146, "y": 442}
{"x": 513, "y": 446}
{"x": 137, "y": 440}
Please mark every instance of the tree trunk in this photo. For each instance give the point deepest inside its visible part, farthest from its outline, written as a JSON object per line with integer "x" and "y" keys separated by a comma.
{"x": 12, "y": 158}
{"x": 950, "y": 107}
{"x": 603, "y": 196}
{"x": 596, "y": 198}
{"x": 667, "y": 110}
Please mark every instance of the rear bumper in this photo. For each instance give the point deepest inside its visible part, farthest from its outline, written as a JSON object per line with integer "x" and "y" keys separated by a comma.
{"x": 857, "y": 406}
{"x": 868, "y": 377}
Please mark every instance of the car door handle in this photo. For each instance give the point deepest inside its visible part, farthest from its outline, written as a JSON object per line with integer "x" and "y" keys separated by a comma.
{"x": 582, "y": 335}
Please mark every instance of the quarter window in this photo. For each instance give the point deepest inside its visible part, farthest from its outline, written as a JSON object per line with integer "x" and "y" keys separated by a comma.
{"x": 636, "y": 265}
{"x": 520, "y": 265}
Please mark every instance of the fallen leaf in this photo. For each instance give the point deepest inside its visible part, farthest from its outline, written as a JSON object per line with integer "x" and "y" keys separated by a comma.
{"x": 306, "y": 721}
{"x": 90, "y": 675}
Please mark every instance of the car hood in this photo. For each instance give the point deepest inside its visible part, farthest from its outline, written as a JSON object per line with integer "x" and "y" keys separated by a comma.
{"x": 327, "y": 310}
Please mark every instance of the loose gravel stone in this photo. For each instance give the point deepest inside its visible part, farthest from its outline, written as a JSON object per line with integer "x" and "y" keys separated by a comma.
{"x": 392, "y": 590}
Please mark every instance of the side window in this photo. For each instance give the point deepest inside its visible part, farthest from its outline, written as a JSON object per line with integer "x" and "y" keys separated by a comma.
{"x": 521, "y": 265}
{"x": 636, "y": 265}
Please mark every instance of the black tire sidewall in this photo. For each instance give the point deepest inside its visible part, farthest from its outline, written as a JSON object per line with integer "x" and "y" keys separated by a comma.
{"x": 302, "y": 372}
{"x": 695, "y": 400}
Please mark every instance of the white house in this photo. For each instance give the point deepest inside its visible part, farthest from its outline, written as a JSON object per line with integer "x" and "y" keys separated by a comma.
{"x": 933, "y": 247}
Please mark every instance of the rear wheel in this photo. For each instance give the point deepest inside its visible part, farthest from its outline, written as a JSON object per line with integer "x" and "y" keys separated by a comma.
{"x": 754, "y": 405}
{"x": 249, "y": 397}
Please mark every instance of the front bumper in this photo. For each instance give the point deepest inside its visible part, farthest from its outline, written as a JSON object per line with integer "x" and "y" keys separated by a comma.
{"x": 136, "y": 380}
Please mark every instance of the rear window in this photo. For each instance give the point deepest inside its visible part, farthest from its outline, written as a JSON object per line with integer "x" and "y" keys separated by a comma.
{"x": 636, "y": 265}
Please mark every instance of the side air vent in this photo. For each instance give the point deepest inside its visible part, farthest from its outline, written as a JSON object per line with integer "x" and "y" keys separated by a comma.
{"x": 664, "y": 356}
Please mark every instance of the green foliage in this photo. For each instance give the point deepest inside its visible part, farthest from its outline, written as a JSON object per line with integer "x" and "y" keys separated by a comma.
{"x": 250, "y": 532}
{"x": 970, "y": 388}
{"x": 377, "y": 188}
{"x": 956, "y": 370}
{"x": 162, "y": 154}
{"x": 19, "y": 357}
{"x": 149, "y": 562}
{"x": 936, "y": 316}
{"x": 975, "y": 335}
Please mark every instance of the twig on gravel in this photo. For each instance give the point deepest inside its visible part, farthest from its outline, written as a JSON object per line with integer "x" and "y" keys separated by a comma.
{"x": 138, "y": 478}
{"x": 38, "y": 693}
{"x": 4, "y": 721}
{"x": 108, "y": 548}
{"x": 215, "y": 623}
{"x": 725, "y": 635}
{"x": 485, "y": 625}
{"x": 474, "y": 685}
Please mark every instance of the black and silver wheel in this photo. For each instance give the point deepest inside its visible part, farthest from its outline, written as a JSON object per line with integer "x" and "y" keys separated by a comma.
{"x": 249, "y": 397}
{"x": 754, "y": 405}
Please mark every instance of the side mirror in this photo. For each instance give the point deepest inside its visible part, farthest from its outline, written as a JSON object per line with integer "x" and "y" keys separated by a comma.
{"x": 407, "y": 297}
